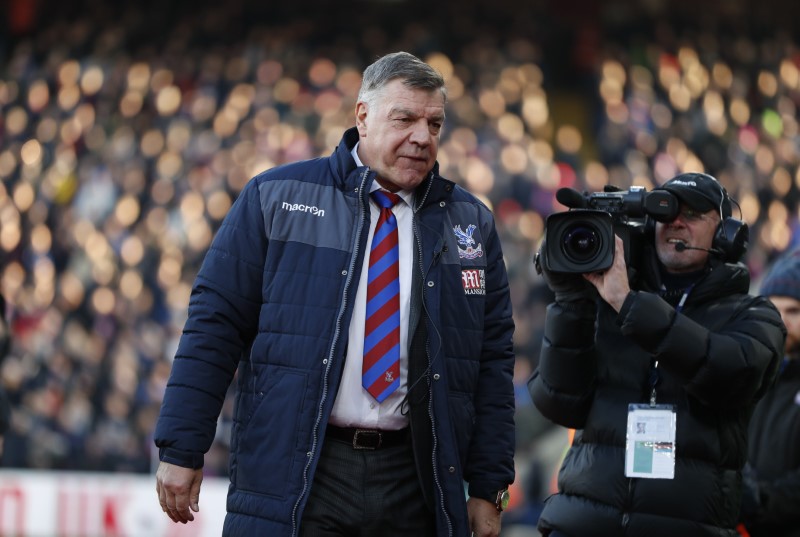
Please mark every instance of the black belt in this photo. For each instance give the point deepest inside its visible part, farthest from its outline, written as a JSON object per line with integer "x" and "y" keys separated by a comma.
{"x": 367, "y": 438}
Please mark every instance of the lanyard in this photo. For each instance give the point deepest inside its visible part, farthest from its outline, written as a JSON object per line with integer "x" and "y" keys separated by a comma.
{"x": 655, "y": 376}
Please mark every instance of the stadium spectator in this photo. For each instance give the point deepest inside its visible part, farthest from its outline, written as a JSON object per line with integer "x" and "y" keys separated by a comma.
{"x": 774, "y": 434}
{"x": 5, "y": 344}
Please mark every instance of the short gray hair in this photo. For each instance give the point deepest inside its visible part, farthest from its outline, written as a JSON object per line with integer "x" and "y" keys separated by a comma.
{"x": 414, "y": 73}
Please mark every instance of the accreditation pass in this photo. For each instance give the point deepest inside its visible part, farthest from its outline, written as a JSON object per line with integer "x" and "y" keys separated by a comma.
{"x": 650, "y": 442}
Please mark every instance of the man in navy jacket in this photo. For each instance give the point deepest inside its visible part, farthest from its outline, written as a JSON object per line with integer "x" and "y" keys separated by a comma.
{"x": 280, "y": 300}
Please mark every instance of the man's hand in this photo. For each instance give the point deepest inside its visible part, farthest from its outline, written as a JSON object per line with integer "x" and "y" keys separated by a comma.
{"x": 178, "y": 491}
{"x": 484, "y": 518}
{"x": 612, "y": 285}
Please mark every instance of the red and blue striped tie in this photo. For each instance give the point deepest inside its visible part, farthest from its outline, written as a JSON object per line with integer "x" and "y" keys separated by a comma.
{"x": 380, "y": 373}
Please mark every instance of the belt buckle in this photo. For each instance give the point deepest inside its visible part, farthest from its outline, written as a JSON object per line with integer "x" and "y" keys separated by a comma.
{"x": 371, "y": 438}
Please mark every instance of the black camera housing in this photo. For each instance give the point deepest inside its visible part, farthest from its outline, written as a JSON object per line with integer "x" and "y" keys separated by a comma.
{"x": 581, "y": 239}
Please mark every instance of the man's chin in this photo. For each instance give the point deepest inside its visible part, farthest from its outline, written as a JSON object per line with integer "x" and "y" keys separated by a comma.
{"x": 672, "y": 260}
{"x": 408, "y": 180}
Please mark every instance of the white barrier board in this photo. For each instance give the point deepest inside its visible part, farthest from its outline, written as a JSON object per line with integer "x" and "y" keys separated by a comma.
{"x": 61, "y": 504}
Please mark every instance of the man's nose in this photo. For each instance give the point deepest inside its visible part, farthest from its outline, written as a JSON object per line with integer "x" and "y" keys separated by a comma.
{"x": 421, "y": 133}
{"x": 680, "y": 220}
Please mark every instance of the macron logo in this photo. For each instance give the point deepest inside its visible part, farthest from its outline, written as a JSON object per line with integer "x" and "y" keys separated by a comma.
{"x": 316, "y": 211}
{"x": 685, "y": 183}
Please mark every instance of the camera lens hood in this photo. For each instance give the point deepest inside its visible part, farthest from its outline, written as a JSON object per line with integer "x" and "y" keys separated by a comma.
{"x": 580, "y": 240}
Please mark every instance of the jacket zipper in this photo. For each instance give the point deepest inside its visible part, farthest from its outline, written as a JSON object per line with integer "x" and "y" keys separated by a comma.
{"x": 435, "y": 450}
{"x": 356, "y": 246}
{"x": 626, "y": 517}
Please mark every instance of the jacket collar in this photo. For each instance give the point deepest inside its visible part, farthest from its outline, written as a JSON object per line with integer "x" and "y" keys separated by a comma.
{"x": 344, "y": 167}
{"x": 717, "y": 280}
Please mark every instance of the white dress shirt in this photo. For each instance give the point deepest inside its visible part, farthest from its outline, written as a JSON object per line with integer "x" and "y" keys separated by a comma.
{"x": 354, "y": 406}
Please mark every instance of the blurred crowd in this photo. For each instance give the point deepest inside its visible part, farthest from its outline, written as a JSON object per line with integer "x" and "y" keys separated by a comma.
{"x": 127, "y": 130}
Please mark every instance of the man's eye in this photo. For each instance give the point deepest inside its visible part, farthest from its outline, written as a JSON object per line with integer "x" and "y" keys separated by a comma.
{"x": 688, "y": 214}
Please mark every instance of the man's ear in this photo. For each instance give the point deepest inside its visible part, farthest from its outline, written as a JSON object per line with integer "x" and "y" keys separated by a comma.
{"x": 361, "y": 118}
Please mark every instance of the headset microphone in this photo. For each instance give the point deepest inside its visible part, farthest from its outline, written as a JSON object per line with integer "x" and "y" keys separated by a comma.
{"x": 681, "y": 246}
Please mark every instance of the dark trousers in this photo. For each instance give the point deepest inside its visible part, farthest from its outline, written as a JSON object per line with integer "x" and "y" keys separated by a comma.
{"x": 366, "y": 493}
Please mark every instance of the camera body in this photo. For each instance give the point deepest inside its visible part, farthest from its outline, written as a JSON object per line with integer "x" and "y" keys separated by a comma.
{"x": 581, "y": 239}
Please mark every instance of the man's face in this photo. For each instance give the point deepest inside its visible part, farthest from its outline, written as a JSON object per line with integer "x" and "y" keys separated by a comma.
{"x": 399, "y": 134}
{"x": 692, "y": 228}
{"x": 789, "y": 309}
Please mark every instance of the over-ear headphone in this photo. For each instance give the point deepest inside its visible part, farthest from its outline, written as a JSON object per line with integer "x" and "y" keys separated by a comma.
{"x": 732, "y": 236}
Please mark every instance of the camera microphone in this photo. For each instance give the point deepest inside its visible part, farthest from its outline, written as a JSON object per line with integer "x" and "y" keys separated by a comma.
{"x": 569, "y": 197}
{"x": 681, "y": 246}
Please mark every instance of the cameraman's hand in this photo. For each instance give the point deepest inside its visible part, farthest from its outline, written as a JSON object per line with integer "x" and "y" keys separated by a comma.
{"x": 566, "y": 287}
{"x": 613, "y": 283}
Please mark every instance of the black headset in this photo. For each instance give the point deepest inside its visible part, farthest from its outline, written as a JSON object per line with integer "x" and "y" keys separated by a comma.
{"x": 732, "y": 236}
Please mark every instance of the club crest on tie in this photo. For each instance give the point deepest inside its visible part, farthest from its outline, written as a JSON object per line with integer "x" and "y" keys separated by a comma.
{"x": 389, "y": 377}
{"x": 470, "y": 251}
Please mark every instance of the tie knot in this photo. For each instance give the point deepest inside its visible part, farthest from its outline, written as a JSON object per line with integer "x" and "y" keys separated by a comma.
{"x": 385, "y": 199}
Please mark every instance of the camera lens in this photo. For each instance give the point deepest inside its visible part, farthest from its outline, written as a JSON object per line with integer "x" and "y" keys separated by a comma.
{"x": 581, "y": 243}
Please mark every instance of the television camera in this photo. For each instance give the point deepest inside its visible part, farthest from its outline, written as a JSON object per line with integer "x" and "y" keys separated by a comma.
{"x": 581, "y": 239}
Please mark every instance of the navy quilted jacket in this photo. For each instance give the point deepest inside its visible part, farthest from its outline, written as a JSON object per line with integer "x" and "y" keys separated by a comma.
{"x": 273, "y": 300}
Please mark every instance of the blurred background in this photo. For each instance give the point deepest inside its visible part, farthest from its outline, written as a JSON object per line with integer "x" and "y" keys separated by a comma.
{"x": 128, "y": 128}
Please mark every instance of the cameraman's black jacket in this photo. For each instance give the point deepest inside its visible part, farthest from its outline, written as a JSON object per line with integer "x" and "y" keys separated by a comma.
{"x": 715, "y": 359}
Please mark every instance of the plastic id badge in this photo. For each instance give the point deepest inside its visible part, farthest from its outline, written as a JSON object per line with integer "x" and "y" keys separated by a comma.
{"x": 650, "y": 442}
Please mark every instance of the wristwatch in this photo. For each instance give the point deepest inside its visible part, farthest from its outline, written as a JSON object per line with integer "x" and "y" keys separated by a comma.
{"x": 499, "y": 498}
{"x": 501, "y": 502}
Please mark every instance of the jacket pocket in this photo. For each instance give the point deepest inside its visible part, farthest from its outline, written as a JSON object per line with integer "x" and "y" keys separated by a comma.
{"x": 462, "y": 409}
{"x": 265, "y": 434}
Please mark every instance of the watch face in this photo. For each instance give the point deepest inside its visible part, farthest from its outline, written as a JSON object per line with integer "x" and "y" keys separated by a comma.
{"x": 502, "y": 499}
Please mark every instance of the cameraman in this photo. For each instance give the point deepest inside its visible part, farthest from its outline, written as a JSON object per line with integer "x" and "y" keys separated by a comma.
{"x": 659, "y": 374}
